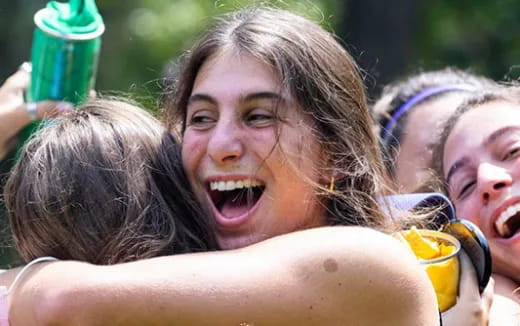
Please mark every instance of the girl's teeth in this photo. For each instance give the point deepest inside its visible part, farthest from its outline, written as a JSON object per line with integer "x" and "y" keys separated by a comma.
{"x": 500, "y": 223}
{"x": 232, "y": 185}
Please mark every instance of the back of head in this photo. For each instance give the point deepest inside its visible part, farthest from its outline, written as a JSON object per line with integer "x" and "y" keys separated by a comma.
{"x": 391, "y": 110}
{"x": 104, "y": 185}
{"x": 324, "y": 80}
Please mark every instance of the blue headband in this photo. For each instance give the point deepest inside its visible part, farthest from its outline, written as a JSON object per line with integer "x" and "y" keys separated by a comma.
{"x": 414, "y": 100}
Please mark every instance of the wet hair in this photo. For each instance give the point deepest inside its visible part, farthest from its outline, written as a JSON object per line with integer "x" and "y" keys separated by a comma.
{"x": 397, "y": 94}
{"x": 105, "y": 185}
{"x": 316, "y": 70}
{"x": 509, "y": 94}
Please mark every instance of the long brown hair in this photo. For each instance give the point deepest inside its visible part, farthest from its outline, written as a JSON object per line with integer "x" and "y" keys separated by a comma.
{"x": 104, "y": 184}
{"x": 325, "y": 81}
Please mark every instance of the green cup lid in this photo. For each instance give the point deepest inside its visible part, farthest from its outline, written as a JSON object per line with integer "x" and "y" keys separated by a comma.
{"x": 76, "y": 19}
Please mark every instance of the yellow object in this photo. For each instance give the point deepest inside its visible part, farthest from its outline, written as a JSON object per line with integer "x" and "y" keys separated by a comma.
{"x": 421, "y": 247}
{"x": 439, "y": 257}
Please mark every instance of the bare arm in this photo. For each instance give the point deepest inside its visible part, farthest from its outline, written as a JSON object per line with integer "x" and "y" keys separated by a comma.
{"x": 324, "y": 276}
{"x": 13, "y": 110}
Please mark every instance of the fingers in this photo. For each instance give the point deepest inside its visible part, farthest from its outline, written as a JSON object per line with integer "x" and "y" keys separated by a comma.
{"x": 50, "y": 109}
{"x": 47, "y": 109}
{"x": 468, "y": 284}
{"x": 488, "y": 294}
{"x": 17, "y": 81}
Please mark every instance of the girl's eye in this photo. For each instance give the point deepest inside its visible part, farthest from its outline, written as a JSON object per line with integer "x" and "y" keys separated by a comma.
{"x": 260, "y": 118}
{"x": 515, "y": 152}
{"x": 201, "y": 120}
{"x": 466, "y": 189}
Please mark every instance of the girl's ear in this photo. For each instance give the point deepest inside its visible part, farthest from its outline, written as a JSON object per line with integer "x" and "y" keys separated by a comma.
{"x": 327, "y": 172}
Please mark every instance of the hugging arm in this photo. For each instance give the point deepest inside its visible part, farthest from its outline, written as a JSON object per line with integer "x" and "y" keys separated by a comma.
{"x": 322, "y": 276}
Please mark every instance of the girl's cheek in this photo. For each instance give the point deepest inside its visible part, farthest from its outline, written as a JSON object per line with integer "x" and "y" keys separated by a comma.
{"x": 192, "y": 142}
{"x": 516, "y": 170}
{"x": 193, "y": 147}
{"x": 469, "y": 211}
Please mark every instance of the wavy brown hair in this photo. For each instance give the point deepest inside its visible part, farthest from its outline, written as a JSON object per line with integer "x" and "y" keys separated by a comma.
{"x": 325, "y": 81}
{"x": 105, "y": 185}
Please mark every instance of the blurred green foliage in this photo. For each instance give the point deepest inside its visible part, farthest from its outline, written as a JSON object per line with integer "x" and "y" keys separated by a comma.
{"x": 144, "y": 35}
{"x": 481, "y": 34}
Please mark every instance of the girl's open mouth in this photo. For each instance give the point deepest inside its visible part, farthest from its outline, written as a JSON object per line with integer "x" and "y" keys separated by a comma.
{"x": 234, "y": 199}
{"x": 508, "y": 223}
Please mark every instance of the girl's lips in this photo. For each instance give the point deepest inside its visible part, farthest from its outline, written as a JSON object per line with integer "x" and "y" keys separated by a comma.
{"x": 515, "y": 239}
{"x": 235, "y": 221}
{"x": 496, "y": 215}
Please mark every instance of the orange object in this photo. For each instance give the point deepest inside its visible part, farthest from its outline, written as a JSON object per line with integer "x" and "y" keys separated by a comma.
{"x": 437, "y": 252}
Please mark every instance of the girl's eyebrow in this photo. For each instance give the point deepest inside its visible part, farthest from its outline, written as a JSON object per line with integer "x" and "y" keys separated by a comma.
{"x": 201, "y": 97}
{"x": 246, "y": 98}
{"x": 499, "y": 133}
{"x": 459, "y": 164}
{"x": 262, "y": 96}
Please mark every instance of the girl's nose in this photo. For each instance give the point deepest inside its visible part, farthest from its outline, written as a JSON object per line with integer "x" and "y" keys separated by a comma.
{"x": 225, "y": 146}
{"x": 492, "y": 180}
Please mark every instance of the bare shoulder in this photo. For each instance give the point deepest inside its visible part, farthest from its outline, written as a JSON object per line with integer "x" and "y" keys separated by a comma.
{"x": 366, "y": 276}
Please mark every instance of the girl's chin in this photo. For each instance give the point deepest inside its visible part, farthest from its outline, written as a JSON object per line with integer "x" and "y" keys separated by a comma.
{"x": 236, "y": 242}
{"x": 512, "y": 242}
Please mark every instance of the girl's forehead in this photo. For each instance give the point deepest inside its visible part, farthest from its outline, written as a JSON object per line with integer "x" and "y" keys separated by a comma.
{"x": 473, "y": 132}
{"x": 232, "y": 62}
{"x": 478, "y": 130}
{"x": 484, "y": 119}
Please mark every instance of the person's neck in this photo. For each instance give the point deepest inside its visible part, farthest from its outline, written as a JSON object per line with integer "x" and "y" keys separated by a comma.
{"x": 506, "y": 287}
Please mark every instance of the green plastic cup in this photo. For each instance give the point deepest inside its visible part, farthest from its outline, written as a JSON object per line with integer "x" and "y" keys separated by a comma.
{"x": 64, "y": 55}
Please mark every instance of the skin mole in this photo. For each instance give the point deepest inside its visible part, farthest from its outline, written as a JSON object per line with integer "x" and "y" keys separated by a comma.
{"x": 330, "y": 265}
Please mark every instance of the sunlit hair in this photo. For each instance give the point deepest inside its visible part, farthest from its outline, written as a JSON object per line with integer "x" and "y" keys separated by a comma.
{"x": 507, "y": 94}
{"x": 104, "y": 184}
{"x": 322, "y": 77}
{"x": 400, "y": 92}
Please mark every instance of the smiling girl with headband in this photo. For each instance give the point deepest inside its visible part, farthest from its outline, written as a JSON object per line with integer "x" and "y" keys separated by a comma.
{"x": 408, "y": 115}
